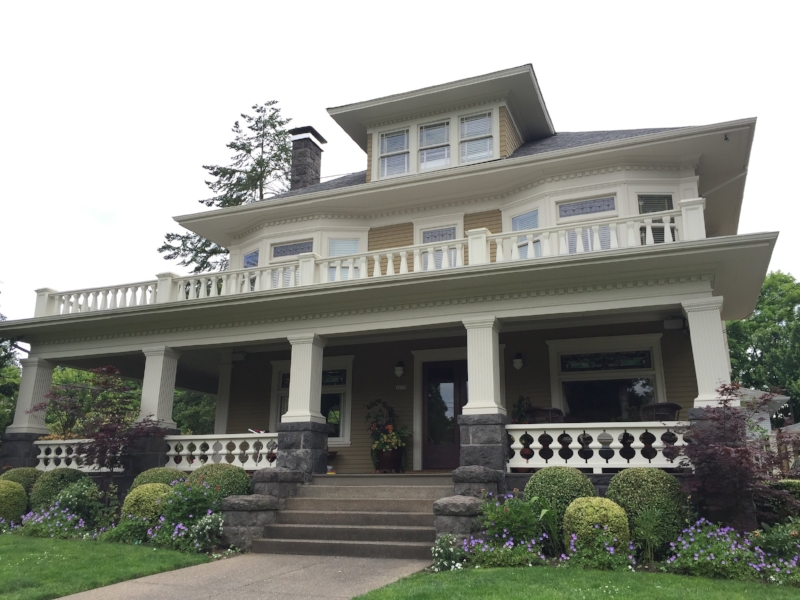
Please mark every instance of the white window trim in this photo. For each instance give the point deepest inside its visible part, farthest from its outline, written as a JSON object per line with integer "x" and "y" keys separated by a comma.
{"x": 619, "y": 343}
{"x": 448, "y": 144}
{"x": 610, "y": 214}
{"x": 328, "y": 363}
{"x": 452, "y": 220}
{"x": 361, "y": 234}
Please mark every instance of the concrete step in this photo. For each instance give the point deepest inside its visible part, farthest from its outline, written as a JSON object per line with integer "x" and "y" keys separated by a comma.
{"x": 397, "y": 492}
{"x": 389, "y": 519}
{"x": 365, "y": 504}
{"x": 371, "y": 479}
{"x": 354, "y": 533}
{"x": 415, "y": 550}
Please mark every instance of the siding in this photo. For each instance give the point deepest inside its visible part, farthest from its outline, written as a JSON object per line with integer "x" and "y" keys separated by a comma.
{"x": 491, "y": 220}
{"x": 509, "y": 138}
{"x": 391, "y": 236}
{"x": 369, "y": 157}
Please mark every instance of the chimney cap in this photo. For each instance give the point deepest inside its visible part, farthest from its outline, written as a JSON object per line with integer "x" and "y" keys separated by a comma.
{"x": 307, "y": 129}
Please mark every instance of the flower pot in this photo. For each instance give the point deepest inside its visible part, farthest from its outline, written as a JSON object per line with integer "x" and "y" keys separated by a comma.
{"x": 388, "y": 461}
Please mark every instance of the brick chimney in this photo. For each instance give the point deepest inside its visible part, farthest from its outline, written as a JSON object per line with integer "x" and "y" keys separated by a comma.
{"x": 306, "y": 156}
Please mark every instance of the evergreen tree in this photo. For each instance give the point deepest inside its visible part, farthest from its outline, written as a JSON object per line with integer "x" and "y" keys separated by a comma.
{"x": 259, "y": 169}
{"x": 9, "y": 380}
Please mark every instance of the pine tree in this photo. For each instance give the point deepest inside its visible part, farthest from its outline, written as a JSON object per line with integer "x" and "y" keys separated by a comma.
{"x": 259, "y": 169}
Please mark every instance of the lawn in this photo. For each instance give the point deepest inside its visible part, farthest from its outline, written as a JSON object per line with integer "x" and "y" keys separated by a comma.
{"x": 37, "y": 569}
{"x": 546, "y": 583}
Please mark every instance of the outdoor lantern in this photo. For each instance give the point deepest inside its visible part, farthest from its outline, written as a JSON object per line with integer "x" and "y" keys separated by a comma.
{"x": 399, "y": 369}
{"x": 517, "y": 362}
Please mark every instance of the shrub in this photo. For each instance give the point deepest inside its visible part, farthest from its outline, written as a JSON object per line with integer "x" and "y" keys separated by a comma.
{"x": 224, "y": 479}
{"x": 588, "y": 517}
{"x": 601, "y": 551}
{"x": 789, "y": 485}
{"x": 487, "y": 553}
{"x": 13, "y": 501}
{"x": 53, "y": 522}
{"x": 50, "y": 484}
{"x": 187, "y": 502}
{"x": 82, "y": 498}
{"x": 25, "y": 476}
{"x": 646, "y": 489}
{"x": 158, "y": 475}
{"x": 558, "y": 487}
{"x": 508, "y": 516}
{"x": 448, "y": 555}
{"x": 781, "y": 540}
{"x": 146, "y": 501}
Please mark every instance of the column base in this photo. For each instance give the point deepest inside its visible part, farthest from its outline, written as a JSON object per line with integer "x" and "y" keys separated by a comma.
{"x": 303, "y": 447}
{"x": 484, "y": 441}
{"x": 17, "y": 450}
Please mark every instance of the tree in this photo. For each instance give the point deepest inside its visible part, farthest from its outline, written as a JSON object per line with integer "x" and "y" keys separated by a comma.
{"x": 9, "y": 380}
{"x": 194, "y": 413}
{"x": 765, "y": 347}
{"x": 259, "y": 169}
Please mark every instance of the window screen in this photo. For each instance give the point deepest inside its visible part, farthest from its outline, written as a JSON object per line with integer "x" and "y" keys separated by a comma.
{"x": 251, "y": 260}
{"x": 586, "y": 207}
{"x": 293, "y": 249}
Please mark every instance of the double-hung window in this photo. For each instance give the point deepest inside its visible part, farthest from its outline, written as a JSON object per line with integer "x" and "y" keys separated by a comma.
{"x": 651, "y": 203}
{"x": 476, "y": 137}
{"x": 528, "y": 220}
{"x": 343, "y": 247}
{"x": 394, "y": 153}
{"x": 434, "y": 146}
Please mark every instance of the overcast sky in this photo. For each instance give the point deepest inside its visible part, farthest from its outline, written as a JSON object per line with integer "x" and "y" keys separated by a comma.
{"x": 108, "y": 111}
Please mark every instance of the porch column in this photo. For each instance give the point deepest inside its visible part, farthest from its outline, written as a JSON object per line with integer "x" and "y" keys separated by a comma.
{"x": 158, "y": 387}
{"x": 223, "y": 394}
{"x": 303, "y": 431}
{"x": 708, "y": 348}
{"x": 37, "y": 376}
{"x": 483, "y": 419}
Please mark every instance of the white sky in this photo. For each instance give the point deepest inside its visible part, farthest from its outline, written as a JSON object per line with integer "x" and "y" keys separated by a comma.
{"x": 109, "y": 110}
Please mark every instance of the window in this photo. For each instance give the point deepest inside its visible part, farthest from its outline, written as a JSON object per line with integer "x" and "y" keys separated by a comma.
{"x": 434, "y": 144}
{"x": 251, "y": 260}
{"x": 476, "y": 137}
{"x": 343, "y": 247}
{"x": 529, "y": 220}
{"x": 432, "y": 236}
{"x": 394, "y": 153}
{"x": 650, "y": 203}
{"x": 586, "y": 207}
{"x": 293, "y": 249}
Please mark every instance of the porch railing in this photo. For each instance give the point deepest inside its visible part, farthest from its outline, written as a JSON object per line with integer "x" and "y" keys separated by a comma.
{"x": 62, "y": 454}
{"x": 596, "y": 446}
{"x": 479, "y": 247}
{"x": 251, "y": 451}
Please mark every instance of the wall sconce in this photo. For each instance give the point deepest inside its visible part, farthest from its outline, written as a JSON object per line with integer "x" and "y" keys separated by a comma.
{"x": 400, "y": 369}
{"x": 517, "y": 362}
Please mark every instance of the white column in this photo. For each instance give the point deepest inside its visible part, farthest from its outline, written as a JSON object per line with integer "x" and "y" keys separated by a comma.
{"x": 483, "y": 364}
{"x": 223, "y": 394}
{"x": 37, "y": 377}
{"x": 478, "y": 246}
{"x": 305, "y": 379}
{"x": 708, "y": 348}
{"x": 158, "y": 387}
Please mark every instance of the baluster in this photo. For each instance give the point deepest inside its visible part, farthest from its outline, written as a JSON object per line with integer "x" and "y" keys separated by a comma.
{"x": 257, "y": 275}
{"x": 500, "y": 256}
{"x": 430, "y": 259}
{"x": 638, "y": 445}
{"x": 563, "y": 246}
{"x": 516, "y": 446}
{"x": 648, "y": 237}
{"x": 376, "y": 265}
{"x": 171, "y": 454}
{"x": 667, "y": 231}
{"x": 460, "y": 254}
{"x": 531, "y": 247}
{"x": 574, "y": 445}
{"x": 266, "y": 279}
{"x": 113, "y": 303}
{"x": 515, "y": 248}
{"x": 445, "y": 257}
{"x": 185, "y": 455}
{"x": 137, "y": 296}
{"x": 616, "y": 445}
{"x": 101, "y": 299}
{"x": 632, "y": 234}
{"x": 362, "y": 269}
{"x": 579, "y": 247}
{"x": 544, "y": 243}
{"x": 595, "y": 445}
{"x": 417, "y": 260}
{"x": 123, "y": 297}
{"x": 337, "y": 270}
{"x": 250, "y": 462}
{"x": 390, "y": 263}
{"x": 612, "y": 234}
{"x": 596, "y": 245}
{"x": 281, "y": 276}
{"x": 403, "y": 262}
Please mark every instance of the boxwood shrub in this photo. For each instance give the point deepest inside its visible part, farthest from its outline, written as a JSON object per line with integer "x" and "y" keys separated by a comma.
{"x": 50, "y": 484}
{"x": 13, "y": 501}
{"x": 224, "y": 480}
{"x": 557, "y": 487}
{"x": 584, "y": 514}
{"x": 158, "y": 475}
{"x": 145, "y": 501}
{"x": 641, "y": 488}
{"x": 25, "y": 476}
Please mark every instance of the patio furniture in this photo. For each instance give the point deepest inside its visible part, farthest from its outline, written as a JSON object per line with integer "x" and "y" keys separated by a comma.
{"x": 661, "y": 411}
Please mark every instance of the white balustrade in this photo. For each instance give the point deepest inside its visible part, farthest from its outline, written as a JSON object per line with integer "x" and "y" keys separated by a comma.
{"x": 597, "y": 445}
{"x": 251, "y": 451}
{"x": 243, "y": 281}
{"x": 120, "y": 296}
{"x": 63, "y": 454}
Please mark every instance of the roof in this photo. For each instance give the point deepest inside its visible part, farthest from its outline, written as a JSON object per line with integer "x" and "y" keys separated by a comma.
{"x": 559, "y": 141}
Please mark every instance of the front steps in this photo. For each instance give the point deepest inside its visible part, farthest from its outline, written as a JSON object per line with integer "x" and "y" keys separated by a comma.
{"x": 379, "y": 516}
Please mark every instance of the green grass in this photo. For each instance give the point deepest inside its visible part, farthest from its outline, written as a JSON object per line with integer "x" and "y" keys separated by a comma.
{"x": 38, "y": 569}
{"x": 547, "y": 583}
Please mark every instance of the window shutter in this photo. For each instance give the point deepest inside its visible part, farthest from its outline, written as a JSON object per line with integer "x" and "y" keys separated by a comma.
{"x": 649, "y": 203}
{"x": 476, "y": 126}
{"x": 476, "y": 149}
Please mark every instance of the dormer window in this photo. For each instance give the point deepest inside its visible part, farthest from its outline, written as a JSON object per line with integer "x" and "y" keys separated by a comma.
{"x": 476, "y": 137}
{"x": 434, "y": 144}
{"x": 394, "y": 153}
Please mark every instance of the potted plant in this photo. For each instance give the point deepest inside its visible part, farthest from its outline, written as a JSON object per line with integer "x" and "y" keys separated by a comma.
{"x": 388, "y": 443}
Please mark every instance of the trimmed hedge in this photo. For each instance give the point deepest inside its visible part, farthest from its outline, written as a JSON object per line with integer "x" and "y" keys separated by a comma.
{"x": 558, "y": 487}
{"x": 82, "y": 498}
{"x": 143, "y": 502}
{"x": 46, "y": 489}
{"x": 583, "y": 514}
{"x": 224, "y": 479}
{"x": 13, "y": 501}
{"x": 25, "y": 476}
{"x": 158, "y": 475}
{"x": 642, "y": 487}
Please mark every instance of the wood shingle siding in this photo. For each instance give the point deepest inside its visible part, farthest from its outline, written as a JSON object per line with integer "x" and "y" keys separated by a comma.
{"x": 509, "y": 138}
{"x": 491, "y": 220}
{"x": 391, "y": 236}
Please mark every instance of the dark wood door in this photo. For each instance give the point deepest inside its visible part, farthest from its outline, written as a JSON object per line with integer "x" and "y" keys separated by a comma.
{"x": 444, "y": 387}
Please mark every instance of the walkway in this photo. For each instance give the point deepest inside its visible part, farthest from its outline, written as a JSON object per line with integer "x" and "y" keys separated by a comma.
{"x": 264, "y": 576}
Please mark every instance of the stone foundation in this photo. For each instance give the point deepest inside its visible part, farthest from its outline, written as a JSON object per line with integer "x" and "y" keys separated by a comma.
{"x": 303, "y": 447}
{"x": 17, "y": 450}
{"x": 278, "y": 482}
{"x": 484, "y": 441}
{"x": 457, "y": 515}
{"x": 478, "y": 481}
{"x": 244, "y": 518}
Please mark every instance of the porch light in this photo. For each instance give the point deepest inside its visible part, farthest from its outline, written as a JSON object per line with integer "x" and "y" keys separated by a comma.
{"x": 400, "y": 369}
{"x": 517, "y": 362}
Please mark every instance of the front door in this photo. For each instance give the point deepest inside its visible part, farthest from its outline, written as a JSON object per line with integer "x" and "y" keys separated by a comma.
{"x": 444, "y": 386}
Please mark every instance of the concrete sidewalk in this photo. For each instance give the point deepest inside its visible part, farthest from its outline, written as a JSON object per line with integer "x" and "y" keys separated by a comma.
{"x": 264, "y": 576}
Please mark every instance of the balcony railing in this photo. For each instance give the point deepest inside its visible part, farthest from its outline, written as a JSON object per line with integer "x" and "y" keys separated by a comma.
{"x": 251, "y": 451}
{"x": 596, "y": 446}
{"x": 63, "y": 454}
{"x": 480, "y": 247}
